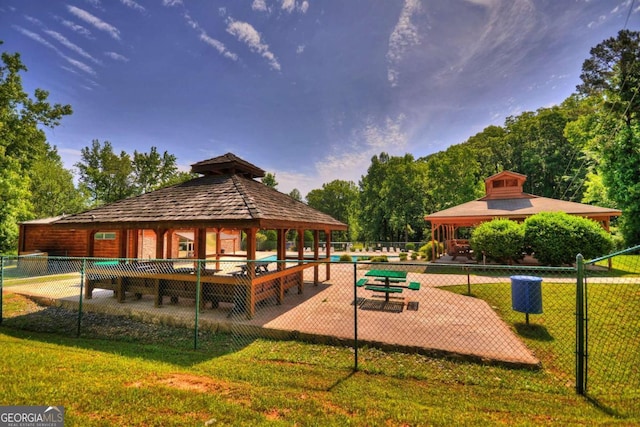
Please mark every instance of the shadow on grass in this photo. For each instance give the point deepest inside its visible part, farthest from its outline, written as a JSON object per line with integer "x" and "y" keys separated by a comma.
{"x": 534, "y": 332}
{"x": 123, "y": 336}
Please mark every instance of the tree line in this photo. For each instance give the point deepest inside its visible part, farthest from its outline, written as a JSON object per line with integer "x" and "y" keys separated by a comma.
{"x": 585, "y": 150}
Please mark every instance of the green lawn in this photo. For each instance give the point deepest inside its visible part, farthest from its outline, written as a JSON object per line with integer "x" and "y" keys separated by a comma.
{"x": 155, "y": 379}
{"x": 613, "y": 338}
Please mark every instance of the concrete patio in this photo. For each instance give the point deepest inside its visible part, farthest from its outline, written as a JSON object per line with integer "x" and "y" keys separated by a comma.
{"x": 444, "y": 323}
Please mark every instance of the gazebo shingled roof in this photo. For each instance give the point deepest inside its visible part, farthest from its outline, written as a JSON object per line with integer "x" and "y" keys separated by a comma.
{"x": 225, "y": 196}
{"x": 213, "y": 201}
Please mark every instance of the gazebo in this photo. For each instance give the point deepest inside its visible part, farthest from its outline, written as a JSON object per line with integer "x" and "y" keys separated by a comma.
{"x": 505, "y": 198}
{"x": 225, "y": 200}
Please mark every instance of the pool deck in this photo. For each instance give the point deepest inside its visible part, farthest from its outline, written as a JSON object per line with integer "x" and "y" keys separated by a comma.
{"x": 444, "y": 324}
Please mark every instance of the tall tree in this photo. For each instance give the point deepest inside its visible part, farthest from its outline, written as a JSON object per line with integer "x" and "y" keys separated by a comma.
{"x": 453, "y": 178}
{"x": 22, "y": 142}
{"x": 152, "y": 171}
{"x": 337, "y": 198}
{"x": 106, "y": 176}
{"x": 543, "y": 153}
{"x": 295, "y": 194}
{"x": 612, "y": 74}
{"x": 52, "y": 189}
{"x": 270, "y": 180}
{"x": 614, "y": 70}
{"x": 373, "y": 216}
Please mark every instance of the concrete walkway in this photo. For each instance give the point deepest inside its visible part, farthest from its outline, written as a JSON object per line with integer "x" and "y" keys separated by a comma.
{"x": 443, "y": 324}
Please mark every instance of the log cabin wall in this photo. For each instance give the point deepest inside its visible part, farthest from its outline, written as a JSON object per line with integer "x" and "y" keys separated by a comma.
{"x": 106, "y": 248}
{"x": 43, "y": 238}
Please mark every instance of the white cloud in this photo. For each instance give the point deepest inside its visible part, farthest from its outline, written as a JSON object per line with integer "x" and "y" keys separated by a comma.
{"x": 71, "y": 46}
{"x": 204, "y": 37}
{"x": 219, "y": 46}
{"x": 76, "y": 28}
{"x": 300, "y": 49}
{"x": 404, "y": 35}
{"x": 116, "y": 56}
{"x": 133, "y": 5}
{"x": 94, "y": 3}
{"x": 351, "y": 160}
{"x": 291, "y": 5}
{"x": 288, "y": 180}
{"x": 382, "y": 137}
{"x": 80, "y": 65}
{"x": 288, "y": 5}
{"x": 33, "y": 20}
{"x": 259, "y": 5}
{"x": 248, "y": 35}
{"x": 35, "y": 37}
{"x": 170, "y": 3}
{"x": 95, "y": 21}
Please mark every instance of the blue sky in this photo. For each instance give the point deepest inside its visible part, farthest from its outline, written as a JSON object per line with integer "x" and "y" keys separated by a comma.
{"x": 308, "y": 90}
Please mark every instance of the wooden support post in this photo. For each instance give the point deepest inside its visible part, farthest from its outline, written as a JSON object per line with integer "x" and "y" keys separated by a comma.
{"x": 316, "y": 256}
{"x": 251, "y": 271}
{"x": 281, "y": 251}
{"x": 160, "y": 243}
{"x": 300, "y": 259}
{"x": 91, "y": 244}
{"x": 327, "y": 234}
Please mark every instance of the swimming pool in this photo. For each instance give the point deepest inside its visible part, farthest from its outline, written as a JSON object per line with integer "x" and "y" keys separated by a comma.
{"x": 336, "y": 258}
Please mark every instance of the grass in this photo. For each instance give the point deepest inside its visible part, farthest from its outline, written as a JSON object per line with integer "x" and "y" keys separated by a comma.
{"x": 622, "y": 265}
{"x": 150, "y": 376}
{"x": 613, "y": 338}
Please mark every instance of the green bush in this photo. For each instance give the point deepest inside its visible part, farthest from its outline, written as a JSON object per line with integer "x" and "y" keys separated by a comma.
{"x": 427, "y": 253}
{"x": 499, "y": 240}
{"x": 403, "y": 256}
{"x": 414, "y": 255}
{"x": 410, "y": 247}
{"x": 557, "y": 237}
{"x": 346, "y": 258}
{"x": 380, "y": 258}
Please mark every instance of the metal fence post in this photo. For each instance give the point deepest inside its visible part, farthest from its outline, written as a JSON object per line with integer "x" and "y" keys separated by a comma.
{"x": 82, "y": 273}
{"x": 198, "y": 287}
{"x": 355, "y": 316}
{"x": 1, "y": 286}
{"x": 580, "y": 330}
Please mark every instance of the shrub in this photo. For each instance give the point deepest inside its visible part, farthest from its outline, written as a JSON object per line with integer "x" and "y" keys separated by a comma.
{"x": 414, "y": 255}
{"x": 346, "y": 258}
{"x": 403, "y": 256}
{"x": 380, "y": 258}
{"x": 557, "y": 237}
{"x": 499, "y": 240}
{"x": 410, "y": 246}
{"x": 427, "y": 253}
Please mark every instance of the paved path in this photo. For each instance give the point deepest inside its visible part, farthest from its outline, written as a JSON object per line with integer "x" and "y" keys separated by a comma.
{"x": 444, "y": 323}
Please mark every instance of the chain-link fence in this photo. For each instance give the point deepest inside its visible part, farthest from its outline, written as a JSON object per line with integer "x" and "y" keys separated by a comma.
{"x": 518, "y": 316}
{"x": 611, "y": 332}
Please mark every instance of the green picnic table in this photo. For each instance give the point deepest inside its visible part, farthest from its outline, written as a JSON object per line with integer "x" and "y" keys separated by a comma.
{"x": 387, "y": 276}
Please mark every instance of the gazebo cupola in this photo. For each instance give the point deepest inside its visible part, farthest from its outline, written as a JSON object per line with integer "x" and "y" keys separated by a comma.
{"x": 504, "y": 185}
{"x": 228, "y": 164}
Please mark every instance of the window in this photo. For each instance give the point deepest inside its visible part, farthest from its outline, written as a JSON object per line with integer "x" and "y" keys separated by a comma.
{"x": 105, "y": 236}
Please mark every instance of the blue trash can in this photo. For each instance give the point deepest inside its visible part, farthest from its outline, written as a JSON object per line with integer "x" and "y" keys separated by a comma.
{"x": 526, "y": 294}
